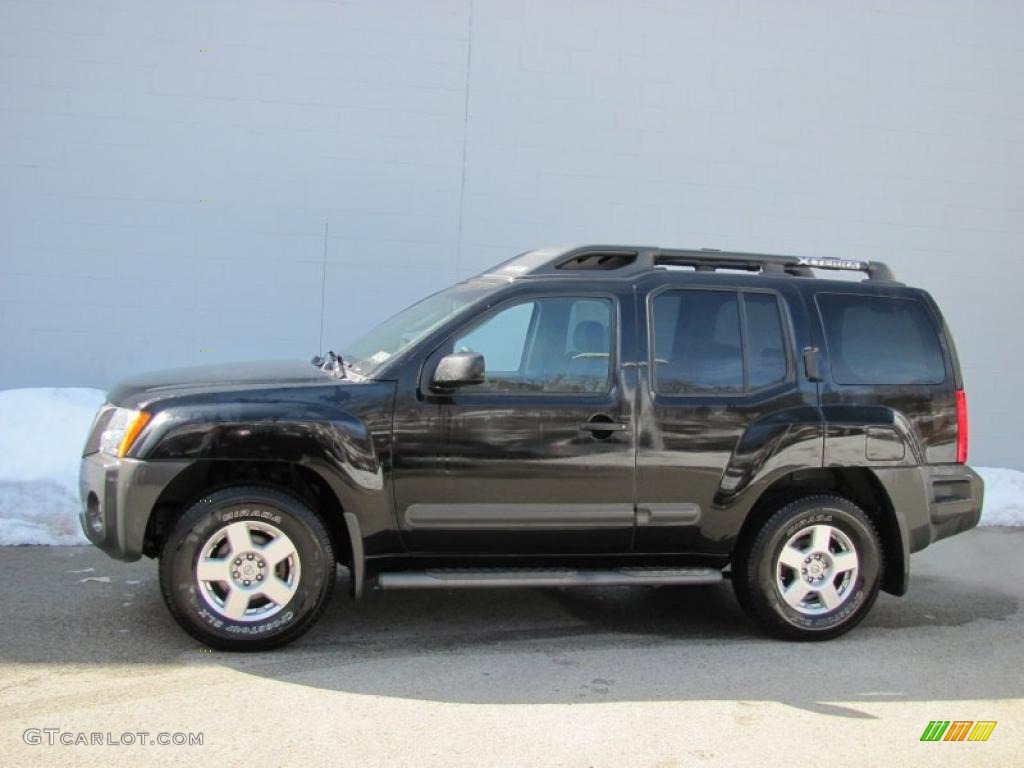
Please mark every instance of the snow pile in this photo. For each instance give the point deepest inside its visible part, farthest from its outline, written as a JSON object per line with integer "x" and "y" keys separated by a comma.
{"x": 42, "y": 432}
{"x": 1004, "y": 496}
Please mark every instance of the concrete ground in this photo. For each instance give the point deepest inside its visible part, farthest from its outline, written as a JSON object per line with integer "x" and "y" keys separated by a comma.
{"x": 619, "y": 676}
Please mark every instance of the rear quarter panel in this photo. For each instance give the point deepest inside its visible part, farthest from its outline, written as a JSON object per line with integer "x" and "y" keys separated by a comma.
{"x": 889, "y": 425}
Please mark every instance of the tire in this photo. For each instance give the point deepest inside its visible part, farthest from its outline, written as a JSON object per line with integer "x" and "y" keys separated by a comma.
{"x": 247, "y": 569}
{"x": 813, "y": 570}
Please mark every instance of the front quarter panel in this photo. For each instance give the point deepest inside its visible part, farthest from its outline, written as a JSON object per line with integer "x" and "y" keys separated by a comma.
{"x": 340, "y": 431}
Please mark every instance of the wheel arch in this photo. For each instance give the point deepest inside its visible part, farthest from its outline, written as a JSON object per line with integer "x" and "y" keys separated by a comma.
{"x": 857, "y": 484}
{"x": 203, "y": 477}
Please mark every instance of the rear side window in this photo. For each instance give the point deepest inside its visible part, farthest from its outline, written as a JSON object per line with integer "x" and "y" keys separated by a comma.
{"x": 881, "y": 340}
{"x": 701, "y": 347}
{"x": 766, "y": 352}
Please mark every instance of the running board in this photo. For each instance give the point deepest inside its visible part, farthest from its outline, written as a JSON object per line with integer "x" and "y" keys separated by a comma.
{"x": 459, "y": 578}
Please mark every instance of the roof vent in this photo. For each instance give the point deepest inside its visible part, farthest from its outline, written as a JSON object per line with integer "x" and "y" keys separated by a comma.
{"x": 600, "y": 260}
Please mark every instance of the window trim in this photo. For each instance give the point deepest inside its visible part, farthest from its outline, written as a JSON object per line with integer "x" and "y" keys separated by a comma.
{"x": 937, "y": 326}
{"x": 430, "y": 360}
{"x": 788, "y": 336}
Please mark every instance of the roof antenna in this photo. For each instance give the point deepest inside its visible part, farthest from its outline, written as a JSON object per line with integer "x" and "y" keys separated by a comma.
{"x": 323, "y": 291}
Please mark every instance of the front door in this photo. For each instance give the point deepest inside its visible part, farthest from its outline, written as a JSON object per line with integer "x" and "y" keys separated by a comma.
{"x": 538, "y": 459}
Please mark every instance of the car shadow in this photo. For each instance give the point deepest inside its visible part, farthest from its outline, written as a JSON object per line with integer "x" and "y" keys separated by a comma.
{"x": 529, "y": 645}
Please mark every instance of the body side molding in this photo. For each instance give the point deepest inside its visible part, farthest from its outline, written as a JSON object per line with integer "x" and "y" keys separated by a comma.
{"x": 517, "y": 516}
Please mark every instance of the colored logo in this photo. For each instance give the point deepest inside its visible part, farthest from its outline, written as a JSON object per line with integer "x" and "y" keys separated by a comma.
{"x": 958, "y": 730}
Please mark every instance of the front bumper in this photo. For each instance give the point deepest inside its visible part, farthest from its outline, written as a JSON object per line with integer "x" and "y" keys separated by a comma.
{"x": 118, "y": 496}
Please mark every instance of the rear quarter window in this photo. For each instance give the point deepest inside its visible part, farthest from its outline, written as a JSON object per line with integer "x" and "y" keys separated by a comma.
{"x": 881, "y": 340}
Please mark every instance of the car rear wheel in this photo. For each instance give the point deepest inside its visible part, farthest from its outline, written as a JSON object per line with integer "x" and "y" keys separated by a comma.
{"x": 247, "y": 569}
{"x": 813, "y": 570}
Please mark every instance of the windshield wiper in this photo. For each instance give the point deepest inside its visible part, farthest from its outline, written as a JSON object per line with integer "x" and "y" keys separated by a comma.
{"x": 332, "y": 364}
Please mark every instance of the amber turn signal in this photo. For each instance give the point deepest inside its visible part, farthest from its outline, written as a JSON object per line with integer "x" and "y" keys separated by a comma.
{"x": 132, "y": 432}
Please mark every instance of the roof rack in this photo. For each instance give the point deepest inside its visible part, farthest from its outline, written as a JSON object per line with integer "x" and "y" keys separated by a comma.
{"x": 626, "y": 260}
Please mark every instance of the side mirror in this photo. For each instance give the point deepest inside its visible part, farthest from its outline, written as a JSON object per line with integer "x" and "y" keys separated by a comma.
{"x": 458, "y": 370}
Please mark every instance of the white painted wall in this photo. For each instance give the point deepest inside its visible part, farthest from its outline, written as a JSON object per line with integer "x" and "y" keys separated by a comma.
{"x": 436, "y": 137}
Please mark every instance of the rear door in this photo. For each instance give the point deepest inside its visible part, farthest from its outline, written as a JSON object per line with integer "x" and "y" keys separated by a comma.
{"x": 718, "y": 391}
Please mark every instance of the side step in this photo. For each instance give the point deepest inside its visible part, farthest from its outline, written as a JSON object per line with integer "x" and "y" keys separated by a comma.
{"x": 459, "y": 578}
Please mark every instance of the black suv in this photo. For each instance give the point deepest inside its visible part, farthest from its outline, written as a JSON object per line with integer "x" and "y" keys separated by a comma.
{"x": 602, "y": 415}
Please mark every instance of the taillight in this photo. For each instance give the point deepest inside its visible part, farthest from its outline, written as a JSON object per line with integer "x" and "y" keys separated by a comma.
{"x": 961, "y": 427}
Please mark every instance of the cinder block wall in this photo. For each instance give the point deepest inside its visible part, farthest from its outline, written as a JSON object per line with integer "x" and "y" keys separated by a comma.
{"x": 179, "y": 177}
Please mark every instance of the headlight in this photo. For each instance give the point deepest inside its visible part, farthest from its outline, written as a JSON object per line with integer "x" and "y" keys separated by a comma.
{"x": 122, "y": 429}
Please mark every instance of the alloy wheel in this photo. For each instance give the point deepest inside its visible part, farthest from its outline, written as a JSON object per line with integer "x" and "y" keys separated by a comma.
{"x": 248, "y": 570}
{"x": 816, "y": 570}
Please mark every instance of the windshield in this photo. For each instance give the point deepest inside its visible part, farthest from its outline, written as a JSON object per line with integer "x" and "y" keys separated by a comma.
{"x": 394, "y": 335}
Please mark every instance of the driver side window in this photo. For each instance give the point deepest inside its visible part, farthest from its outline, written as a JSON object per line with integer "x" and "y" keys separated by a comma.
{"x": 548, "y": 345}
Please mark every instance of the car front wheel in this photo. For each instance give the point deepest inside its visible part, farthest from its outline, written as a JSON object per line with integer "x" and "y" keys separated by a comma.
{"x": 247, "y": 569}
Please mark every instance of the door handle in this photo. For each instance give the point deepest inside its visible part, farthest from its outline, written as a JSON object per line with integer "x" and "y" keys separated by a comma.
{"x": 812, "y": 364}
{"x": 603, "y": 426}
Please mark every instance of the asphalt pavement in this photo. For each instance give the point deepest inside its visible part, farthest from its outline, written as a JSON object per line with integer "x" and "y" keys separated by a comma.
{"x": 636, "y": 676}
